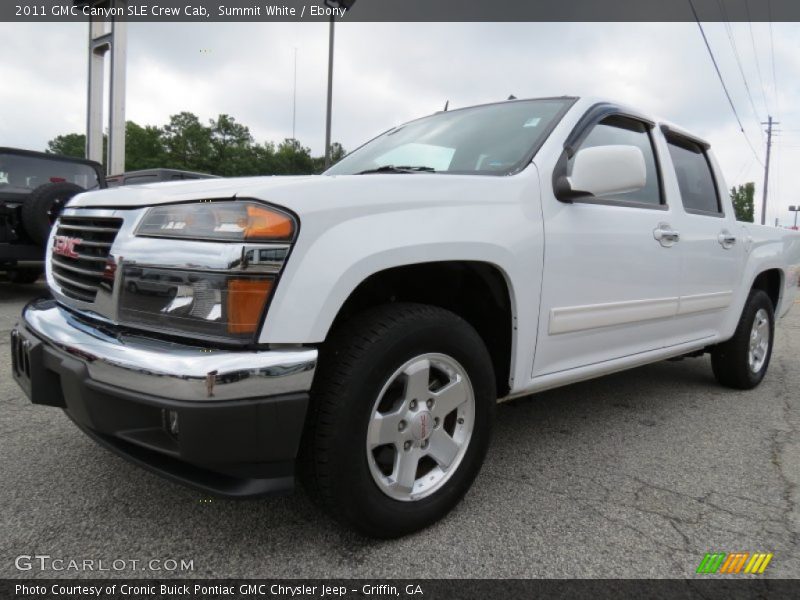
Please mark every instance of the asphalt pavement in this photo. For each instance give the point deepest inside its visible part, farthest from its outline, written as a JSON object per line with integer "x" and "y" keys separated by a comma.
{"x": 637, "y": 474}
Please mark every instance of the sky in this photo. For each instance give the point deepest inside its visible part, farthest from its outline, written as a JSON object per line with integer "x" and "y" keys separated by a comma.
{"x": 388, "y": 73}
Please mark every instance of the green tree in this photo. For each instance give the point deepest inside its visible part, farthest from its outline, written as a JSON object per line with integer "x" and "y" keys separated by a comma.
{"x": 224, "y": 147}
{"x": 264, "y": 161}
{"x": 144, "y": 147}
{"x": 74, "y": 144}
{"x": 337, "y": 153}
{"x": 292, "y": 158}
{"x": 187, "y": 143}
{"x": 232, "y": 147}
{"x": 742, "y": 198}
{"x": 71, "y": 144}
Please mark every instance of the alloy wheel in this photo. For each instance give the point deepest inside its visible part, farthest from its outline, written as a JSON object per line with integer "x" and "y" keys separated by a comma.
{"x": 420, "y": 427}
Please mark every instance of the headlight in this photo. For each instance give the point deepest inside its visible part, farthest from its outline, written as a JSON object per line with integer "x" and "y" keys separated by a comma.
{"x": 198, "y": 289}
{"x": 225, "y": 221}
{"x": 226, "y": 306}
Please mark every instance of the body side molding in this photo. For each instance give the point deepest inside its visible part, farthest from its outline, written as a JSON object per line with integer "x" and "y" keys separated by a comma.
{"x": 592, "y": 316}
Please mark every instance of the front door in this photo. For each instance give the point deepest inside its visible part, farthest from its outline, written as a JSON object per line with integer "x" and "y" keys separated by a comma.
{"x": 612, "y": 266}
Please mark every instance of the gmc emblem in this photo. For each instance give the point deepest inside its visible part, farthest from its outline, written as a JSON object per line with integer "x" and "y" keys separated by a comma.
{"x": 65, "y": 246}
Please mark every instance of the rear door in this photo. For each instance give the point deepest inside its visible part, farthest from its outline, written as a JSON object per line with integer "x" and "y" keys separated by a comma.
{"x": 612, "y": 268}
{"x": 711, "y": 244}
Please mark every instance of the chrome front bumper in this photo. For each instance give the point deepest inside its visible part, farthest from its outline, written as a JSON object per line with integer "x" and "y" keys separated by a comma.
{"x": 227, "y": 422}
{"x": 166, "y": 369}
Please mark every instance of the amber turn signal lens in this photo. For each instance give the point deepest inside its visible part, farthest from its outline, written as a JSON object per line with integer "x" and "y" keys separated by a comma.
{"x": 246, "y": 301}
{"x": 263, "y": 223}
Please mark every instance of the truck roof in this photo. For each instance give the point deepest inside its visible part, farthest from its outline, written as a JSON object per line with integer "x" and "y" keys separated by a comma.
{"x": 49, "y": 156}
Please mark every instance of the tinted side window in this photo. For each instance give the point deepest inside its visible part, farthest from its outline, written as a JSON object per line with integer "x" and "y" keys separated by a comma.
{"x": 137, "y": 179}
{"x": 695, "y": 178}
{"x": 620, "y": 131}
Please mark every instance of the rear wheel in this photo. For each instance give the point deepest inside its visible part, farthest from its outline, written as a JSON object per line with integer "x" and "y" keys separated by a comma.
{"x": 401, "y": 417}
{"x": 742, "y": 361}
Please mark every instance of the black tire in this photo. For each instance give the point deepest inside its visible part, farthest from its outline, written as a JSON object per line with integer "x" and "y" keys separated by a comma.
{"x": 25, "y": 276}
{"x": 355, "y": 363}
{"x": 42, "y": 207}
{"x": 731, "y": 360}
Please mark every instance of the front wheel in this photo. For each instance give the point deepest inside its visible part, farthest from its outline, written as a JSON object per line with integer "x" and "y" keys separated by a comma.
{"x": 401, "y": 417}
{"x": 742, "y": 361}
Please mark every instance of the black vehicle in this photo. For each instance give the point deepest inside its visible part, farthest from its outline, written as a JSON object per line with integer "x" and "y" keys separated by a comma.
{"x": 154, "y": 176}
{"x": 34, "y": 187}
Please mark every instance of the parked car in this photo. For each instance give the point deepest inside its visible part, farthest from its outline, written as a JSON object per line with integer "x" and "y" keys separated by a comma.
{"x": 357, "y": 328}
{"x": 154, "y": 176}
{"x": 34, "y": 187}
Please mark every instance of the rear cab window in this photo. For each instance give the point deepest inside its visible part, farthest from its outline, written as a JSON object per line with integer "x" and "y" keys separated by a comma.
{"x": 21, "y": 174}
{"x": 137, "y": 179}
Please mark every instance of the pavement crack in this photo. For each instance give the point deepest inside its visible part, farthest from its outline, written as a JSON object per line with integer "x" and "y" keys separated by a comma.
{"x": 785, "y": 446}
{"x": 595, "y": 507}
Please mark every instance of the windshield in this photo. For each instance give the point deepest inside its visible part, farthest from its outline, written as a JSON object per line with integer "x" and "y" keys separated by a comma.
{"x": 22, "y": 174}
{"x": 495, "y": 139}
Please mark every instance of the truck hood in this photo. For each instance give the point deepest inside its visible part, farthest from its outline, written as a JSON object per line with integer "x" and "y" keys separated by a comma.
{"x": 136, "y": 196}
{"x": 321, "y": 193}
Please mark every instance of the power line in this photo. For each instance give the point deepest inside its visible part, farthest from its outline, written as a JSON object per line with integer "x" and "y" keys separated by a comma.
{"x": 755, "y": 55}
{"x": 772, "y": 59}
{"x": 775, "y": 93}
{"x": 745, "y": 165}
{"x": 734, "y": 47}
{"x": 722, "y": 81}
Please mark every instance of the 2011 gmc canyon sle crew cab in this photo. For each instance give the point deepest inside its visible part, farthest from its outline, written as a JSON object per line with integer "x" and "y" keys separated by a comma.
{"x": 359, "y": 326}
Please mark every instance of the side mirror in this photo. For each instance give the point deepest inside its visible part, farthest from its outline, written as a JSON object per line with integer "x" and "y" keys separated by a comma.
{"x": 605, "y": 170}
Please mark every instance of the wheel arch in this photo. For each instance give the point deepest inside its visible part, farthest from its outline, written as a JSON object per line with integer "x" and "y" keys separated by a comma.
{"x": 770, "y": 281}
{"x": 479, "y": 292}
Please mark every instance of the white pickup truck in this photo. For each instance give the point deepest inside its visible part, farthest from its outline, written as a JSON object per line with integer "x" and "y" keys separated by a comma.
{"x": 357, "y": 328}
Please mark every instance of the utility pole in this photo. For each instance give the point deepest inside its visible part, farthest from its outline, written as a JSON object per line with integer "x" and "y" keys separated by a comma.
{"x": 347, "y": 5}
{"x": 769, "y": 123}
{"x": 330, "y": 97}
{"x": 294, "y": 97}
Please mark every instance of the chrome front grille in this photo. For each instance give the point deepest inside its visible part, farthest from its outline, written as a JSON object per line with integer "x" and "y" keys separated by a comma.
{"x": 80, "y": 253}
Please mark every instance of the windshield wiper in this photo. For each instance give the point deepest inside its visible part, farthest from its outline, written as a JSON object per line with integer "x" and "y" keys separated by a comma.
{"x": 398, "y": 169}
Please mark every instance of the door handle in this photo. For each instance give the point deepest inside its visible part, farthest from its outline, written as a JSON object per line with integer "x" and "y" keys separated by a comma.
{"x": 726, "y": 239}
{"x": 666, "y": 235}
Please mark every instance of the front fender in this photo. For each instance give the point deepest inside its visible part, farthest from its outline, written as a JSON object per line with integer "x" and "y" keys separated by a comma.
{"x": 326, "y": 266}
